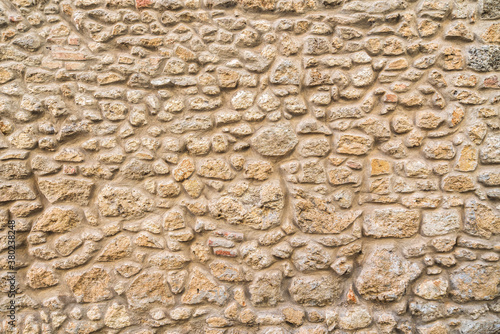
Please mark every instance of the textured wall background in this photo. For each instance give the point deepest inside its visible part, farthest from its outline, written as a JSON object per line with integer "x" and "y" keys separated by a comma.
{"x": 251, "y": 166}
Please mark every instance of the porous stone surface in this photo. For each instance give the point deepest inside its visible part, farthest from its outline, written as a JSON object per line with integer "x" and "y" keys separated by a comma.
{"x": 250, "y": 166}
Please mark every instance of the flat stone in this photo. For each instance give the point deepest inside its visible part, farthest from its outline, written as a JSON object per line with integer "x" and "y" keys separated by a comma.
{"x": 14, "y": 191}
{"x": 274, "y": 141}
{"x": 395, "y": 223}
{"x": 385, "y": 275}
{"x": 123, "y": 201}
{"x": 66, "y": 190}
{"x": 315, "y": 290}
{"x": 57, "y": 219}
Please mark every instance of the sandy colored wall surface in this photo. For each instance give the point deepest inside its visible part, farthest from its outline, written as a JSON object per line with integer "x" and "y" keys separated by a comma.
{"x": 249, "y": 166}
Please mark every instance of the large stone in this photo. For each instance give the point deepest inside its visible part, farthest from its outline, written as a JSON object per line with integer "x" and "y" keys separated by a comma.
{"x": 123, "y": 201}
{"x": 265, "y": 289}
{"x": 286, "y": 73}
{"x": 90, "y": 286}
{"x": 385, "y": 275}
{"x": 149, "y": 289}
{"x": 315, "y": 290}
{"x": 66, "y": 190}
{"x": 117, "y": 317}
{"x": 202, "y": 288}
{"x": 489, "y": 9}
{"x": 14, "y": 170}
{"x": 476, "y": 281}
{"x": 57, "y": 219}
{"x": 274, "y": 141}
{"x": 440, "y": 222}
{"x": 354, "y": 317}
{"x": 312, "y": 257}
{"x": 484, "y": 58}
{"x": 481, "y": 219}
{"x": 116, "y": 249}
{"x": 14, "y": 191}
{"x": 40, "y": 277}
{"x": 432, "y": 289}
{"x": 391, "y": 223}
{"x": 314, "y": 214}
{"x": 490, "y": 150}
{"x": 215, "y": 168}
{"x": 354, "y": 144}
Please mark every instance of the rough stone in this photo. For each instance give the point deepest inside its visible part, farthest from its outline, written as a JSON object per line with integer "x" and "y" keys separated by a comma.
{"x": 386, "y": 275}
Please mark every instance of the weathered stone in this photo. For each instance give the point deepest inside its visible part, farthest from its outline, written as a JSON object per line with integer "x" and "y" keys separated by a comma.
{"x": 476, "y": 281}
{"x": 148, "y": 289}
{"x": 40, "y": 277}
{"x": 117, "y": 317}
{"x": 314, "y": 214}
{"x": 66, "y": 190}
{"x": 396, "y": 223}
{"x": 440, "y": 222}
{"x": 215, "y": 169}
{"x": 315, "y": 290}
{"x": 481, "y": 219}
{"x": 123, "y": 201}
{"x": 485, "y": 58}
{"x": 489, "y": 152}
{"x": 116, "y": 249}
{"x": 385, "y": 275}
{"x": 57, "y": 219}
{"x": 202, "y": 288}
{"x": 354, "y": 144}
{"x": 14, "y": 191}
{"x": 90, "y": 286}
{"x": 274, "y": 141}
{"x": 432, "y": 289}
{"x": 266, "y": 288}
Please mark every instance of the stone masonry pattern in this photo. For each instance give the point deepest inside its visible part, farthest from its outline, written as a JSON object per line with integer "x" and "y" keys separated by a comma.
{"x": 250, "y": 166}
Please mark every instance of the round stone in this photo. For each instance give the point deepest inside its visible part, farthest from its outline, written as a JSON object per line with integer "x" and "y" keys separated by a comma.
{"x": 275, "y": 141}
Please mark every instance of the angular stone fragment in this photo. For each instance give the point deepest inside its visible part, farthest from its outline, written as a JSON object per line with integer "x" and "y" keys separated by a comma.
{"x": 202, "y": 288}
{"x": 116, "y": 249}
{"x": 149, "y": 289}
{"x": 14, "y": 191}
{"x": 477, "y": 281}
{"x": 57, "y": 219}
{"x": 91, "y": 285}
{"x": 385, "y": 275}
{"x": 66, "y": 190}
{"x": 315, "y": 290}
{"x": 123, "y": 201}
{"x": 266, "y": 288}
{"x": 394, "y": 222}
{"x": 274, "y": 141}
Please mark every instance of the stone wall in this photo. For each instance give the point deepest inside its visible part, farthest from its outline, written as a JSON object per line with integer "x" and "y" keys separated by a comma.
{"x": 250, "y": 166}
